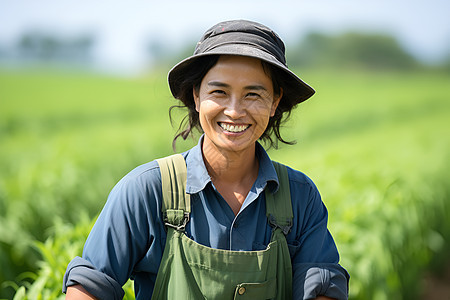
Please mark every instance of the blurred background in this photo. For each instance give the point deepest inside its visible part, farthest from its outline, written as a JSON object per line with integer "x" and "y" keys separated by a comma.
{"x": 84, "y": 99}
{"x": 127, "y": 38}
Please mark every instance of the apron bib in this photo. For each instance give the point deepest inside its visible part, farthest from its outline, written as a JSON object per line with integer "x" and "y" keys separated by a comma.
{"x": 190, "y": 270}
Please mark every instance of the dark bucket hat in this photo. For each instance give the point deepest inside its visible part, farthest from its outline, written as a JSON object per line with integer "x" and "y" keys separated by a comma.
{"x": 244, "y": 38}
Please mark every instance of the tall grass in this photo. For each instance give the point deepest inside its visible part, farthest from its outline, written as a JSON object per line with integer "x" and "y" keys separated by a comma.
{"x": 376, "y": 144}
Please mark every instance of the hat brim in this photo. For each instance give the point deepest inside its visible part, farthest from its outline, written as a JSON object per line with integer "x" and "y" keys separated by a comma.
{"x": 298, "y": 90}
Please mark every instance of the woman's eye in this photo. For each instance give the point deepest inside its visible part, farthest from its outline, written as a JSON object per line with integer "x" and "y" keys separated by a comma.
{"x": 252, "y": 95}
{"x": 220, "y": 92}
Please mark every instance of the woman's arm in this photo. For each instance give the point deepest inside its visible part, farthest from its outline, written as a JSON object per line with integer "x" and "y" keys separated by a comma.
{"x": 127, "y": 232}
{"x": 77, "y": 292}
{"x": 315, "y": 257}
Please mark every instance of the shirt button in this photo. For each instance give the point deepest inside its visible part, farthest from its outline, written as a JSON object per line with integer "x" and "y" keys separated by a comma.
{"x": 241, "y": 290}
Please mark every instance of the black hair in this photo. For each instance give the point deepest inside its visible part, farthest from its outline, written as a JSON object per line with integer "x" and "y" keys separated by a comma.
{"x": 192, "y": 80}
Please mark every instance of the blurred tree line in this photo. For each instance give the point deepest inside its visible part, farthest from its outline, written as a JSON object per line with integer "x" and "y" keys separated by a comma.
{"x": 46, "y": 47}
{"x": 315, "y": 50}
{"x": 351, "y": 50}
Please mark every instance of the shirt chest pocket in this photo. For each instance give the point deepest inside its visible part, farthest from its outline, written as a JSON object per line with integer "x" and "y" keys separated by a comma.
{"x": 293, "y": 246}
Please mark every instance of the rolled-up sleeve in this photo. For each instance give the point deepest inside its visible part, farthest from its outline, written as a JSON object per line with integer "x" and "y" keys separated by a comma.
{"x": 312, "y": 280}
{"x": 98, "y": 284}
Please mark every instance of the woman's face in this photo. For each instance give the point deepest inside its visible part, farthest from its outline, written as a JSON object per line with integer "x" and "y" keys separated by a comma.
{"x": 235, "y": 101}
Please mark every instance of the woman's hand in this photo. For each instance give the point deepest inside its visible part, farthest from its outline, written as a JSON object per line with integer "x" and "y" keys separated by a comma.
{"x": 77, "y": 292}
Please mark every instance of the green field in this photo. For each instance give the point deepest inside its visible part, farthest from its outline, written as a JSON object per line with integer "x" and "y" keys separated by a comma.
{"x": 376, "y": 144}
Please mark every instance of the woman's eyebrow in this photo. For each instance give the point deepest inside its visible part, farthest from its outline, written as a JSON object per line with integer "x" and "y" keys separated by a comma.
{"x": 256, "y": 87}
{"x": 218, "y": 84}
{"x": 248, "y": 87}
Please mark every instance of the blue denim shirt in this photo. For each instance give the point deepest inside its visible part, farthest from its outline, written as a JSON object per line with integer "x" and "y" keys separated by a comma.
{"x": 128, "y": 239}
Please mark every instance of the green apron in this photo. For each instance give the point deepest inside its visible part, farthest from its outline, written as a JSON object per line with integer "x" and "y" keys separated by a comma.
{"x": 190, "y": 270}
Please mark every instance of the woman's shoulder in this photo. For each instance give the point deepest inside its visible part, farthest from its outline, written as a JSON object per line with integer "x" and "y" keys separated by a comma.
{"x": 139, "y": 181}
{"x": 302, "y": 188}
{"x": 298, "y": 177}
{"x": 305, "y": 197}
{"x": 146, "y": 171}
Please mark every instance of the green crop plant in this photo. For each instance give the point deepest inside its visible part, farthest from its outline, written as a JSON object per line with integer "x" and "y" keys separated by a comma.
{"x": 376, "y": 145}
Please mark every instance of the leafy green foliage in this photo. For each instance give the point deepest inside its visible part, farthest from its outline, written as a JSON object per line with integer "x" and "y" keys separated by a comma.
{"x": 376, "y": 144}
{"x": 65, "y": 243}
{"x": 60, "y": 139}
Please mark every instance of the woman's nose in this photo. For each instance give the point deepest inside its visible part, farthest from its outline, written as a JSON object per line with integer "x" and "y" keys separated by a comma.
{"x": 234, "y": 108}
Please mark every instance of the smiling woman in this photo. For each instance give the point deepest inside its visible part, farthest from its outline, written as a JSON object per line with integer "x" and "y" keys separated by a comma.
{"x": 234, "y": 102}
{"x": 192, "y": 77}
{"x": 221, "y": 214}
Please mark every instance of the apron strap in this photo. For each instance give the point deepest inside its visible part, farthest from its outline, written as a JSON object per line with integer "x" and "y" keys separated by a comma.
{"x": 176, "y": 205}
{"x": 279, "y": 205}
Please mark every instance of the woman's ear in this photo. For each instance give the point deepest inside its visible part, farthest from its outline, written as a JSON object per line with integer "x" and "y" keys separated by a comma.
{"x": 196, "y": 97}
{"x": 276, "y": 101}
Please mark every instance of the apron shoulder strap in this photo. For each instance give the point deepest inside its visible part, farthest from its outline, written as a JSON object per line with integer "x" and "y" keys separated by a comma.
{"x": 176, "y": 205}
{"x": 279, "y": 205}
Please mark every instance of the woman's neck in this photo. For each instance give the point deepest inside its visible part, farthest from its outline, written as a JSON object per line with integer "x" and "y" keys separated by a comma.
{"x": 232, "y": 173}
{"x": 230, "y": 166}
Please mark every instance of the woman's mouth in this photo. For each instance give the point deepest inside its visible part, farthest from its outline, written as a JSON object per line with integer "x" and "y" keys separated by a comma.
{"x": 233, "y": 128}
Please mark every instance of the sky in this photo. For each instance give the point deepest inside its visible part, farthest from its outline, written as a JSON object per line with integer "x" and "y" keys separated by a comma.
{"x": 124, "y": 28}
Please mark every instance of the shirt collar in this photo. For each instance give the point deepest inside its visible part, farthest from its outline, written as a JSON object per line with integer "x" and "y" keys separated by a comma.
{"x": 198, "y": 177}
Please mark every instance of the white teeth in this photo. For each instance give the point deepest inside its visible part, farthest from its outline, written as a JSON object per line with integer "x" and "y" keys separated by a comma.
{"x": 233, "y": 128}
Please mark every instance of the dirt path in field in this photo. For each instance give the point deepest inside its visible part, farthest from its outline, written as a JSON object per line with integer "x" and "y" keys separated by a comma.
{"x": 437, "y": 287}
